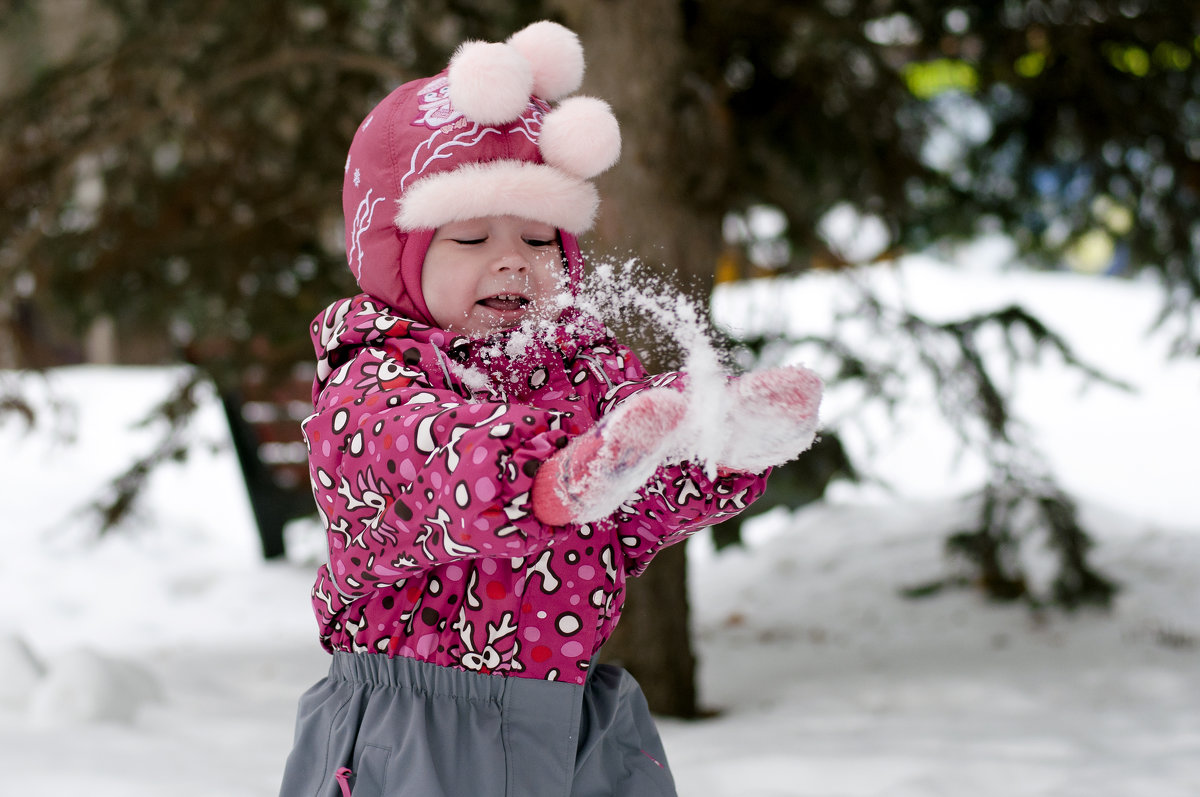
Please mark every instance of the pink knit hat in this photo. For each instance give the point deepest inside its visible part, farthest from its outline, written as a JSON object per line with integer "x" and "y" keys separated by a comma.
{"x": 478, "y": 139}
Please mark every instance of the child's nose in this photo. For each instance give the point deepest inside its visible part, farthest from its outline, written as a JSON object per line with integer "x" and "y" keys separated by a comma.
{"x": 512, "y": 259}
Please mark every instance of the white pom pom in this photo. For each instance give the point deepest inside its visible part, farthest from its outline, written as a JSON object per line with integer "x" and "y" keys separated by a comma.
{"x": 581, "y": 136}
{"x": 556, "y": 56}
{"x": 489, "y": 83}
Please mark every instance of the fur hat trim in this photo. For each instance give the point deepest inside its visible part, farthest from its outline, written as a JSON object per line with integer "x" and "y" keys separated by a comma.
{"x": 497, "y": 188}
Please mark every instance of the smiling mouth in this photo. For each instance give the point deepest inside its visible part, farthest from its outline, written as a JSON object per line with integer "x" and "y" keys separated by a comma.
{"x": 505, "y": 302}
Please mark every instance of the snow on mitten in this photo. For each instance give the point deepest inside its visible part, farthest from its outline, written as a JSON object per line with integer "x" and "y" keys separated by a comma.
{"x": 772, "y": 418}
{"x": 600, "y": 469}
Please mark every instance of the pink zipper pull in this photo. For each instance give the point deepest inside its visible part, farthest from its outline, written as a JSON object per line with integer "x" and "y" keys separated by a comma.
{"x": 342, "y": 776}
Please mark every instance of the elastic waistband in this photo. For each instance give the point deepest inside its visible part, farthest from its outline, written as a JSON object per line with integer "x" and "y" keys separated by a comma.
{"x": 401, "y": 672}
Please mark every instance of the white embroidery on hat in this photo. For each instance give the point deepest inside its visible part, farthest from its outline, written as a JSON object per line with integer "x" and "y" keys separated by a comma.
{"x": 362, "y": 222}
{"x": 431, "y": 149}
{"x": 435, "y": 103}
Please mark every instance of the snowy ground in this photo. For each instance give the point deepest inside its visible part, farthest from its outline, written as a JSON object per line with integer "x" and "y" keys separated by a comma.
{"x": 167, "y": 660}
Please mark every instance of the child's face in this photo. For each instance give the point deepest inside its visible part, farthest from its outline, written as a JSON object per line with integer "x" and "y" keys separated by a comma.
{"x": 489, "y": 274}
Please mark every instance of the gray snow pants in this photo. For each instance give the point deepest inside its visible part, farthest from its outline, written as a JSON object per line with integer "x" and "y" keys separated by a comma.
{"x": 394, "y": 727}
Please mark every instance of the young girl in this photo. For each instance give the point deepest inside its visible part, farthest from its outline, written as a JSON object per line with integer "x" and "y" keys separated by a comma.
{"x": 489, "y": 463}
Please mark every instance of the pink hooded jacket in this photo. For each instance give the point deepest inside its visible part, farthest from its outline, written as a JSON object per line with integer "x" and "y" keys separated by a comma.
{"x": 423, "y": 447}
{"x": 423, "y": 484}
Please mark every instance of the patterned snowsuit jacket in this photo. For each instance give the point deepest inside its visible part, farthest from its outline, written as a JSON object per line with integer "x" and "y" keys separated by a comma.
{"x": 423, "y": 450}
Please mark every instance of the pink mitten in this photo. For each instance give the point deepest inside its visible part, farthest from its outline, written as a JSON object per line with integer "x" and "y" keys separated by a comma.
{"x": 603, "y": 467}
{"x": 772, "y": 418}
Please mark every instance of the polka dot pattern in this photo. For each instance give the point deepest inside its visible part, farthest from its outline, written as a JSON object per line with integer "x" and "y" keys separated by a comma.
{"x": 422, "y": 452}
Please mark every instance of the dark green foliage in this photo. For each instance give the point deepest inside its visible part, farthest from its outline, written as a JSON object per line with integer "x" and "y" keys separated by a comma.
{"x": 217, "y": 131}
{"x": 1054, "y": 120}
{"x": 212, "y": 133}
{"x": 1011, "y": 512}
{"x": 1020, "y": 500}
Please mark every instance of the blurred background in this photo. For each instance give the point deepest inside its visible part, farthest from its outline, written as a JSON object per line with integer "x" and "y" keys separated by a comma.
{"x": 170, "y": 194}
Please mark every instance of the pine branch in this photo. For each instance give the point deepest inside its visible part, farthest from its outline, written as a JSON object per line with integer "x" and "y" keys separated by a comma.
{"x": 14, "y": 404}
{"x": 176, "y": 410}
{"x": 1020, "y": 499}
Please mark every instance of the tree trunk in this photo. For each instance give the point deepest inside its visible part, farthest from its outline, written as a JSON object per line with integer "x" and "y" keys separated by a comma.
{"x": 654, "y": 203}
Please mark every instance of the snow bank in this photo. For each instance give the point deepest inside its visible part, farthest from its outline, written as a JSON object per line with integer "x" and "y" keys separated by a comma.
{"x": 84, "y": 686}
{"x": 22, "y": 671}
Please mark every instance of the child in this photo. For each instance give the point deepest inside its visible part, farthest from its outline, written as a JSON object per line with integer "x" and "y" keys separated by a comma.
{"x": 489, "y": 464}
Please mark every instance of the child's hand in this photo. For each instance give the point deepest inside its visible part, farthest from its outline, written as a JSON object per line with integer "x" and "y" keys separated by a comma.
{"x": 602, "y": 468}
{"x": 772, "y": 418}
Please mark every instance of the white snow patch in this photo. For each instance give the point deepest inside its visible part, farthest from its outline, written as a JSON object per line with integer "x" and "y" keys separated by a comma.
{"x": 84, "y": 686}
{"x": 22, "y": 671}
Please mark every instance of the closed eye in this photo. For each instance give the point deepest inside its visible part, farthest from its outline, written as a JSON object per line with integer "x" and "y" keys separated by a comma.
{"x": 540, "y": 242}
{"x": 469, "y": 241}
